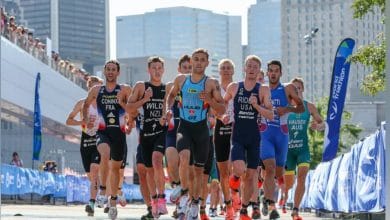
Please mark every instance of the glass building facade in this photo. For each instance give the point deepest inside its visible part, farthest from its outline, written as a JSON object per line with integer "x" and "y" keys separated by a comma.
{"x": 172, "y": 32}
{"x": 78, "y": 29}
{"x": 264, "y": 30}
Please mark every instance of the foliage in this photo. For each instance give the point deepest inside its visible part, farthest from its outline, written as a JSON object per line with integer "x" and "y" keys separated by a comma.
{"x": 373, "y": 55}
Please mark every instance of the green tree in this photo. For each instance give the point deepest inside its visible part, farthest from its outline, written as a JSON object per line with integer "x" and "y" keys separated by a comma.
{"x": 349, "y": 134}
{"x": 372, "y": 55}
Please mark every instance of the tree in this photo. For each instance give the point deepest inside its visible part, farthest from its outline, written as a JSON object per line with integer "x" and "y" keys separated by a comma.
{"x": 374, "y": 54}
{"x": 349, "y": 134}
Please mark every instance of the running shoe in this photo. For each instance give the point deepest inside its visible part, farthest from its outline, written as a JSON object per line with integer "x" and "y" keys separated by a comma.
{"x": 112, "y": 213}
{"x": 175, "y": 194}
{"x": 274, "y": 215}
{"x": 101, "y": 200}
{"x": 229, "y": 212}
{"x": 122, "y": 200}
{"x": 182, "y": 208}
{"x": 244, "y": 215}
{"x": 162, "y": 206}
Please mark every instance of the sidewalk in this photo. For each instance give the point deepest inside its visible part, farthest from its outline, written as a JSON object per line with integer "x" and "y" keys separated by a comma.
{"x": 73, "y": 212}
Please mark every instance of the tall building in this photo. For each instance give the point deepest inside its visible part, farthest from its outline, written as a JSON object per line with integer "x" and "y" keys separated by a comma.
{"x": 313, "y": 60}
{"x": 79, "y": 30}
{"x": 172, "y": 32}
{"x": 264, "y": 30}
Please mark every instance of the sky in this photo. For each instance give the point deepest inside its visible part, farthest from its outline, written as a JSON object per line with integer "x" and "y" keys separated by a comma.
{"x": 132, "y": 7}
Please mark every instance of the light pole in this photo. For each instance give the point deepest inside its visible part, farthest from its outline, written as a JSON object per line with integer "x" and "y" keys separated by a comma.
{"x": 309, "y": 41}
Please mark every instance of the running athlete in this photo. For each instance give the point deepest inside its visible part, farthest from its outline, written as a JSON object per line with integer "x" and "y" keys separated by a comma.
{"x": 111, "y": 134}
{"x": 274, "y": 134}
{"x": 249, "y": 99}
{"x": 171, "y": 153}
{"x": 197, "y": 94}
{"x": 141, "y": 170}
{"x": 89, "y": 153}
{"x": 149, "y": 98}
{"x": 222, "y": 135}
{"x": 298, "y": 147}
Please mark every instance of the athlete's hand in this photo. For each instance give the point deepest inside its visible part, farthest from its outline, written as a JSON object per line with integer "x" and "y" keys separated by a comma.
{"x": 205, "y": 96}
{"x": 317, "y": 126}
{"x": 253, "y": 100}
{"x": 148, "y": 94}
{"x": 225, "y": 119}
{"x": 166, "y": 118}
{"x": 91, "y": 122}
{"x": 282, "y": 110}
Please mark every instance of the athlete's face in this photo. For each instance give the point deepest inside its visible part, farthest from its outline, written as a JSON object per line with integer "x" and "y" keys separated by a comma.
{"x": 156, "y": 71}
{"x": 299, "y": 87}
{"x": 226, "y": 70}
{"x": 111, "y": 72}
{"x": 252, "y": 69}
{"x": 185, "y": 68}
{"x": 199, "y": 63}
{"x": 274, "y": 74}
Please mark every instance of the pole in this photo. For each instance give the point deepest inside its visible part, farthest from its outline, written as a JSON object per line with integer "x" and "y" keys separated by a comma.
{"x": 311, "y": 71}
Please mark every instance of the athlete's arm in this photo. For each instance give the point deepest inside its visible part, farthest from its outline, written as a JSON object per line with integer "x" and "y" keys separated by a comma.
{"x": 92, "y": 95}
{"x": 136, "y": 100}
{"x": 292, "y": 95}
{"x": 231, "y": 91}
{"x": 214, "y": 97}
{"x": 265, "y": 107}
{"x": 170, "y": 97}
{"x": 317, "y": 124}
{"x": 123, "y": 95}
{"x": 76, "y": 110}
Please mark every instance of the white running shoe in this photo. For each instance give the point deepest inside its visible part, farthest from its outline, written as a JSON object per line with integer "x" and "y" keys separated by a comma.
{"x": 112, "y": 213}
{"x": 182, "y": 208}
{"x": 193, "y": 211}
{"x": 122, "y": 200}
{"x": 101, "y": 200}
{"x": 175, "y": 194}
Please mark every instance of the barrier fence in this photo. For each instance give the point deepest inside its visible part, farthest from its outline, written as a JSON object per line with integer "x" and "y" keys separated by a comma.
{"x": 352, "y": 183}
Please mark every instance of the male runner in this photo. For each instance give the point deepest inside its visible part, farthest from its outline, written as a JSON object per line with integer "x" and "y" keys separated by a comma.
{"x": 89, "y": 153}
{"x": 298, "y": 147}
{"x": 149, "y": 97}
{"x": 111, "y": 134}
{"x": 274, "y": 134}
{"x": 198, "y": 93}
{"x": 249, "y": 99}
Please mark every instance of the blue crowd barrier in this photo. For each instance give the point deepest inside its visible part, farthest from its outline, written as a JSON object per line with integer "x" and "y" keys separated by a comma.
{"x": 18, "y": 181}
{"x": 351, "y": 183}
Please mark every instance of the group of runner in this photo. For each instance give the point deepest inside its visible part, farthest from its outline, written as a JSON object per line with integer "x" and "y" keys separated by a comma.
{"x": 254, "y": 132}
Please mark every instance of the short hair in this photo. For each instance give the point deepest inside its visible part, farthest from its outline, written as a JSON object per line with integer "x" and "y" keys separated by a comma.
{"x": 184, "y": 58}
{"x": 114, "y": 62}
{"x": 15, "y": 154}
{"x": 201, "y": 50}
{"x": 298, "y": 79}
{"x": 94, "y": 79}
{"x": 275, "y": 62}
{"x": 254, "y": 58}
{"x": 226, "y": 60}
{"x": 262, "y": 72}
{"x": 155, "y": 59}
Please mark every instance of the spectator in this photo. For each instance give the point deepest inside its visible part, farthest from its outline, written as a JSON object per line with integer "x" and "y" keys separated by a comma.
{"x": 16, "y": 161}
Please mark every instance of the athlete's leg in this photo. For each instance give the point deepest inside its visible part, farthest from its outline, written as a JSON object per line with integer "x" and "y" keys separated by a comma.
{"x": 173, "y": 163}
{"x": 94, "y": 180}
{"x": 184, "y": 168}
{"x": 301, "y": 179}
{"x": 157, "y": 160}
{"x": 104, "y": 151}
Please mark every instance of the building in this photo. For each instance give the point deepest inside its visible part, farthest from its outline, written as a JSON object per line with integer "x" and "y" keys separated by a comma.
{"x": 172, "y": 32}
{"x": 78, "y": 30}
{"x": 136, "y": 69}
{"x": 265, "y": 31}
{"x": 313, "y": 60}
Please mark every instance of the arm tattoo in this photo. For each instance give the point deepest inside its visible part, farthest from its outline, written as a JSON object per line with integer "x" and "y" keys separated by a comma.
{"x": 217, "y": 87}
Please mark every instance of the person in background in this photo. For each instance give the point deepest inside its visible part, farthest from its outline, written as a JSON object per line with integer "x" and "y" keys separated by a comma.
{"x": 16, "y": 161}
